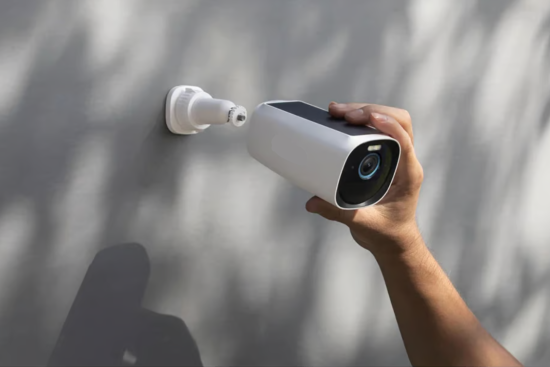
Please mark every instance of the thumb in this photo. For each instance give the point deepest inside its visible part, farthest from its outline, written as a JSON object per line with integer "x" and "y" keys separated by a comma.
{"x": 328, "y": 211}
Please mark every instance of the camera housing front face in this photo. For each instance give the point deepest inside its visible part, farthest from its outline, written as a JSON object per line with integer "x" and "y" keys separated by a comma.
{"x": 367, "y": 174}
{"x": 349, "y": 166}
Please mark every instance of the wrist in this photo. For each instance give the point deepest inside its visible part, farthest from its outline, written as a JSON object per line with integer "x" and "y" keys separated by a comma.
{"x": 406, "y": 245}
{"x": 415, "y": 262}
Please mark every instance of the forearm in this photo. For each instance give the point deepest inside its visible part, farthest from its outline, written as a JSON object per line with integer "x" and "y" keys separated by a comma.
{"x": 436, "y": 325}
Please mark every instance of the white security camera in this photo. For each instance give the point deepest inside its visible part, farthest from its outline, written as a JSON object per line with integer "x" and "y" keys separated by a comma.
{"x": 346, "y": 165}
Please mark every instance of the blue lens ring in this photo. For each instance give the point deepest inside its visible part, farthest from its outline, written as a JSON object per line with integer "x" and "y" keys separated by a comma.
{"x": 368, "y": 177}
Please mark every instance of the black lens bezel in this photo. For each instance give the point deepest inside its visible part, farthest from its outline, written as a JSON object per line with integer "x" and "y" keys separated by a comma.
{"x": 356, "y": 194}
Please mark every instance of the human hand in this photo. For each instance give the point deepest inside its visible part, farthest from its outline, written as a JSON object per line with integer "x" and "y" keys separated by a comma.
{"x": 390, "y": 225}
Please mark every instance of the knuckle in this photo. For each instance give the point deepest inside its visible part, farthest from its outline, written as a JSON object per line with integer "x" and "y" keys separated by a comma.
{"x": 340, "y": 216}
{"x": 358, "y": 105}
{"x": 344, "y": 216}
{"x": 418, "y": 177}
{"x": 367, "y": 108}
{"x": 406, "y": 117}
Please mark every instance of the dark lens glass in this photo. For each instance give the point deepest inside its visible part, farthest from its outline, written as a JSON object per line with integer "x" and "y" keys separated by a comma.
{"x": 367, "y": 174}
{"x": 369, "y": 166}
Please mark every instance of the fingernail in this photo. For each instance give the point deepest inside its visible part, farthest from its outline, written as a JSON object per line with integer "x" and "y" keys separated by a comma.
{"x": 332, "y": 103}
{"x": 379, "y": 117}
{"x": 355, "y": 114}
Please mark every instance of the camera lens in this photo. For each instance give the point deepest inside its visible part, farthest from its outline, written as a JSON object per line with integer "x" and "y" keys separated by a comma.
{"x": 369, "y": 166}
{"x": 367, "y": 174}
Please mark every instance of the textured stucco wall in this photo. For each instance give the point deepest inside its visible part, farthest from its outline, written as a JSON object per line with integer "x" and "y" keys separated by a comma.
{"x": 86, "y": 163}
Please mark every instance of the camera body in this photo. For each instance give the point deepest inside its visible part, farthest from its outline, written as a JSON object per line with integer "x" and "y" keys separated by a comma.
{"x": 346, "y": 165}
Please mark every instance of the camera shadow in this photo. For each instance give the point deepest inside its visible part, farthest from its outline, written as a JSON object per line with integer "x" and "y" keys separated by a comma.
{"x": 106, "y": 325}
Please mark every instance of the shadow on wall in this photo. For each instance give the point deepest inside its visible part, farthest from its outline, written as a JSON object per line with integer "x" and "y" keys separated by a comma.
{"x": 107, "y": 326}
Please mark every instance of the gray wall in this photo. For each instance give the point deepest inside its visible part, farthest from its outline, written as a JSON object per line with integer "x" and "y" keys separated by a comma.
{"x": 86, "y": 163}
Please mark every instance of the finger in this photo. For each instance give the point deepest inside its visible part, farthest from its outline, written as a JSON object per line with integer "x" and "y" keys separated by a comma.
{"x": 409, "y": 170}
{"x": 362, "y": 115}
{"x": 390, "y": 126}
{"x": 328, "y": 211}
{"x": 339, "y": 110}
